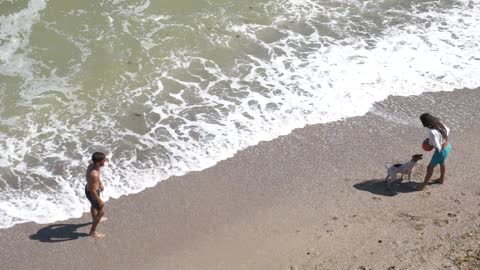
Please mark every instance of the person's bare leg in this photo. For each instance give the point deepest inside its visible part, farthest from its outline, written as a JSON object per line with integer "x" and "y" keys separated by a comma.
{"x": 93, "y": 212}
{"x": 442, "y": 174}
{"x": 427, "y": 177}
{"x": 96, "y": 220}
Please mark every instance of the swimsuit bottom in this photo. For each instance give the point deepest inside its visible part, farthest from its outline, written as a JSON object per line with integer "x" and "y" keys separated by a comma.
{"x": 92, "y": 199}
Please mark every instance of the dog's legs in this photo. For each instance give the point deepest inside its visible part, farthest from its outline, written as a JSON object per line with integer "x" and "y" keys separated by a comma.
{"x": 391, "y": 178}
{"x": 409, "y": 176}
{"x": 398, "y": 181}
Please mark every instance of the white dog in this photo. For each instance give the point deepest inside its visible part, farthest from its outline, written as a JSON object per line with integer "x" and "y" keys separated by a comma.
{"x": 404, "y": 168}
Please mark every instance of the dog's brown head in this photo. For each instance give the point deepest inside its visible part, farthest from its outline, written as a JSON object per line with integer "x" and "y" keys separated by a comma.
{"x": 417, "y": 157}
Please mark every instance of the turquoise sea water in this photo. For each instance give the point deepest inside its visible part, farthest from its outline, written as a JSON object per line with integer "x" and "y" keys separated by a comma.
{"x": 167, "y": 87}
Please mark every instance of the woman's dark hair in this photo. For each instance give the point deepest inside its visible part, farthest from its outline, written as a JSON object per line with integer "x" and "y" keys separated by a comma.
{"x": 98, "y": 156}
{"x": 432, "y": 122}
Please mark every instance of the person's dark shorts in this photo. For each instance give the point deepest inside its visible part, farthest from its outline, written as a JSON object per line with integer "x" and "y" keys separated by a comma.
{"x": 92, "y": 199}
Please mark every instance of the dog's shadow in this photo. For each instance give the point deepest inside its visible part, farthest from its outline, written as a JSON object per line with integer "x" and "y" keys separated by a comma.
{"x": 379, "y": 187}
{"x": 59, "y": 233}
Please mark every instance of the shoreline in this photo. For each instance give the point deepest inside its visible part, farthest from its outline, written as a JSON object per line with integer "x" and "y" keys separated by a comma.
{"x": 313, "y": 199}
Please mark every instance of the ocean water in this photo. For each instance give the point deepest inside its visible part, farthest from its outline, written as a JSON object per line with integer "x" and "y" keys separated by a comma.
{"x": 167, "y": 87}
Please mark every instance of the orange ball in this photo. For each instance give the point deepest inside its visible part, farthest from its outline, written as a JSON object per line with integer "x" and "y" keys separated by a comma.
{"x": 426, "y": 146}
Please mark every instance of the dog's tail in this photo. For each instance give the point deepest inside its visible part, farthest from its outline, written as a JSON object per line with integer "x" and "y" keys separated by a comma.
{"x": 387, "y": 165}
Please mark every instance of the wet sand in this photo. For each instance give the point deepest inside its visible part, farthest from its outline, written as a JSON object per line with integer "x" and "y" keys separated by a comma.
{"x": 314, "y": 199}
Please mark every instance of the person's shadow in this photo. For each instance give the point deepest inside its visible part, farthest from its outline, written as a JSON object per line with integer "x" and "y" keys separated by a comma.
{"x": 379, "y": 187}
{"x": 59, "y": 233}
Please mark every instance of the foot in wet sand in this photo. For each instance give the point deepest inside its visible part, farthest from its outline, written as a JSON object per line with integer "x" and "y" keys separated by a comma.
{"x": 97, "y": 235}
{"x": 438, "y": 181}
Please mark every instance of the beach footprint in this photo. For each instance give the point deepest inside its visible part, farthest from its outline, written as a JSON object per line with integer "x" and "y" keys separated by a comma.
{"x": 419, "y": 226}
{"x": 440, "y": 222}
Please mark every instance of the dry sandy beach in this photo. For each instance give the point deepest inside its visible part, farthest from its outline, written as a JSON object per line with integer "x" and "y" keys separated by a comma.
{"x": 313, "y": 199}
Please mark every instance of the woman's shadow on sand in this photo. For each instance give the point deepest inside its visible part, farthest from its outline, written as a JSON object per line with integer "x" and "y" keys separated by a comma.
{"x": 59, "y": 233}
{"x": 379, "y": 187}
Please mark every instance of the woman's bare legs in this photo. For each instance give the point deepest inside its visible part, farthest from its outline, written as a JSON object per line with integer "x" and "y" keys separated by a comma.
{"x": 427, "y": 177}
{"x": 442, "y": 174}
